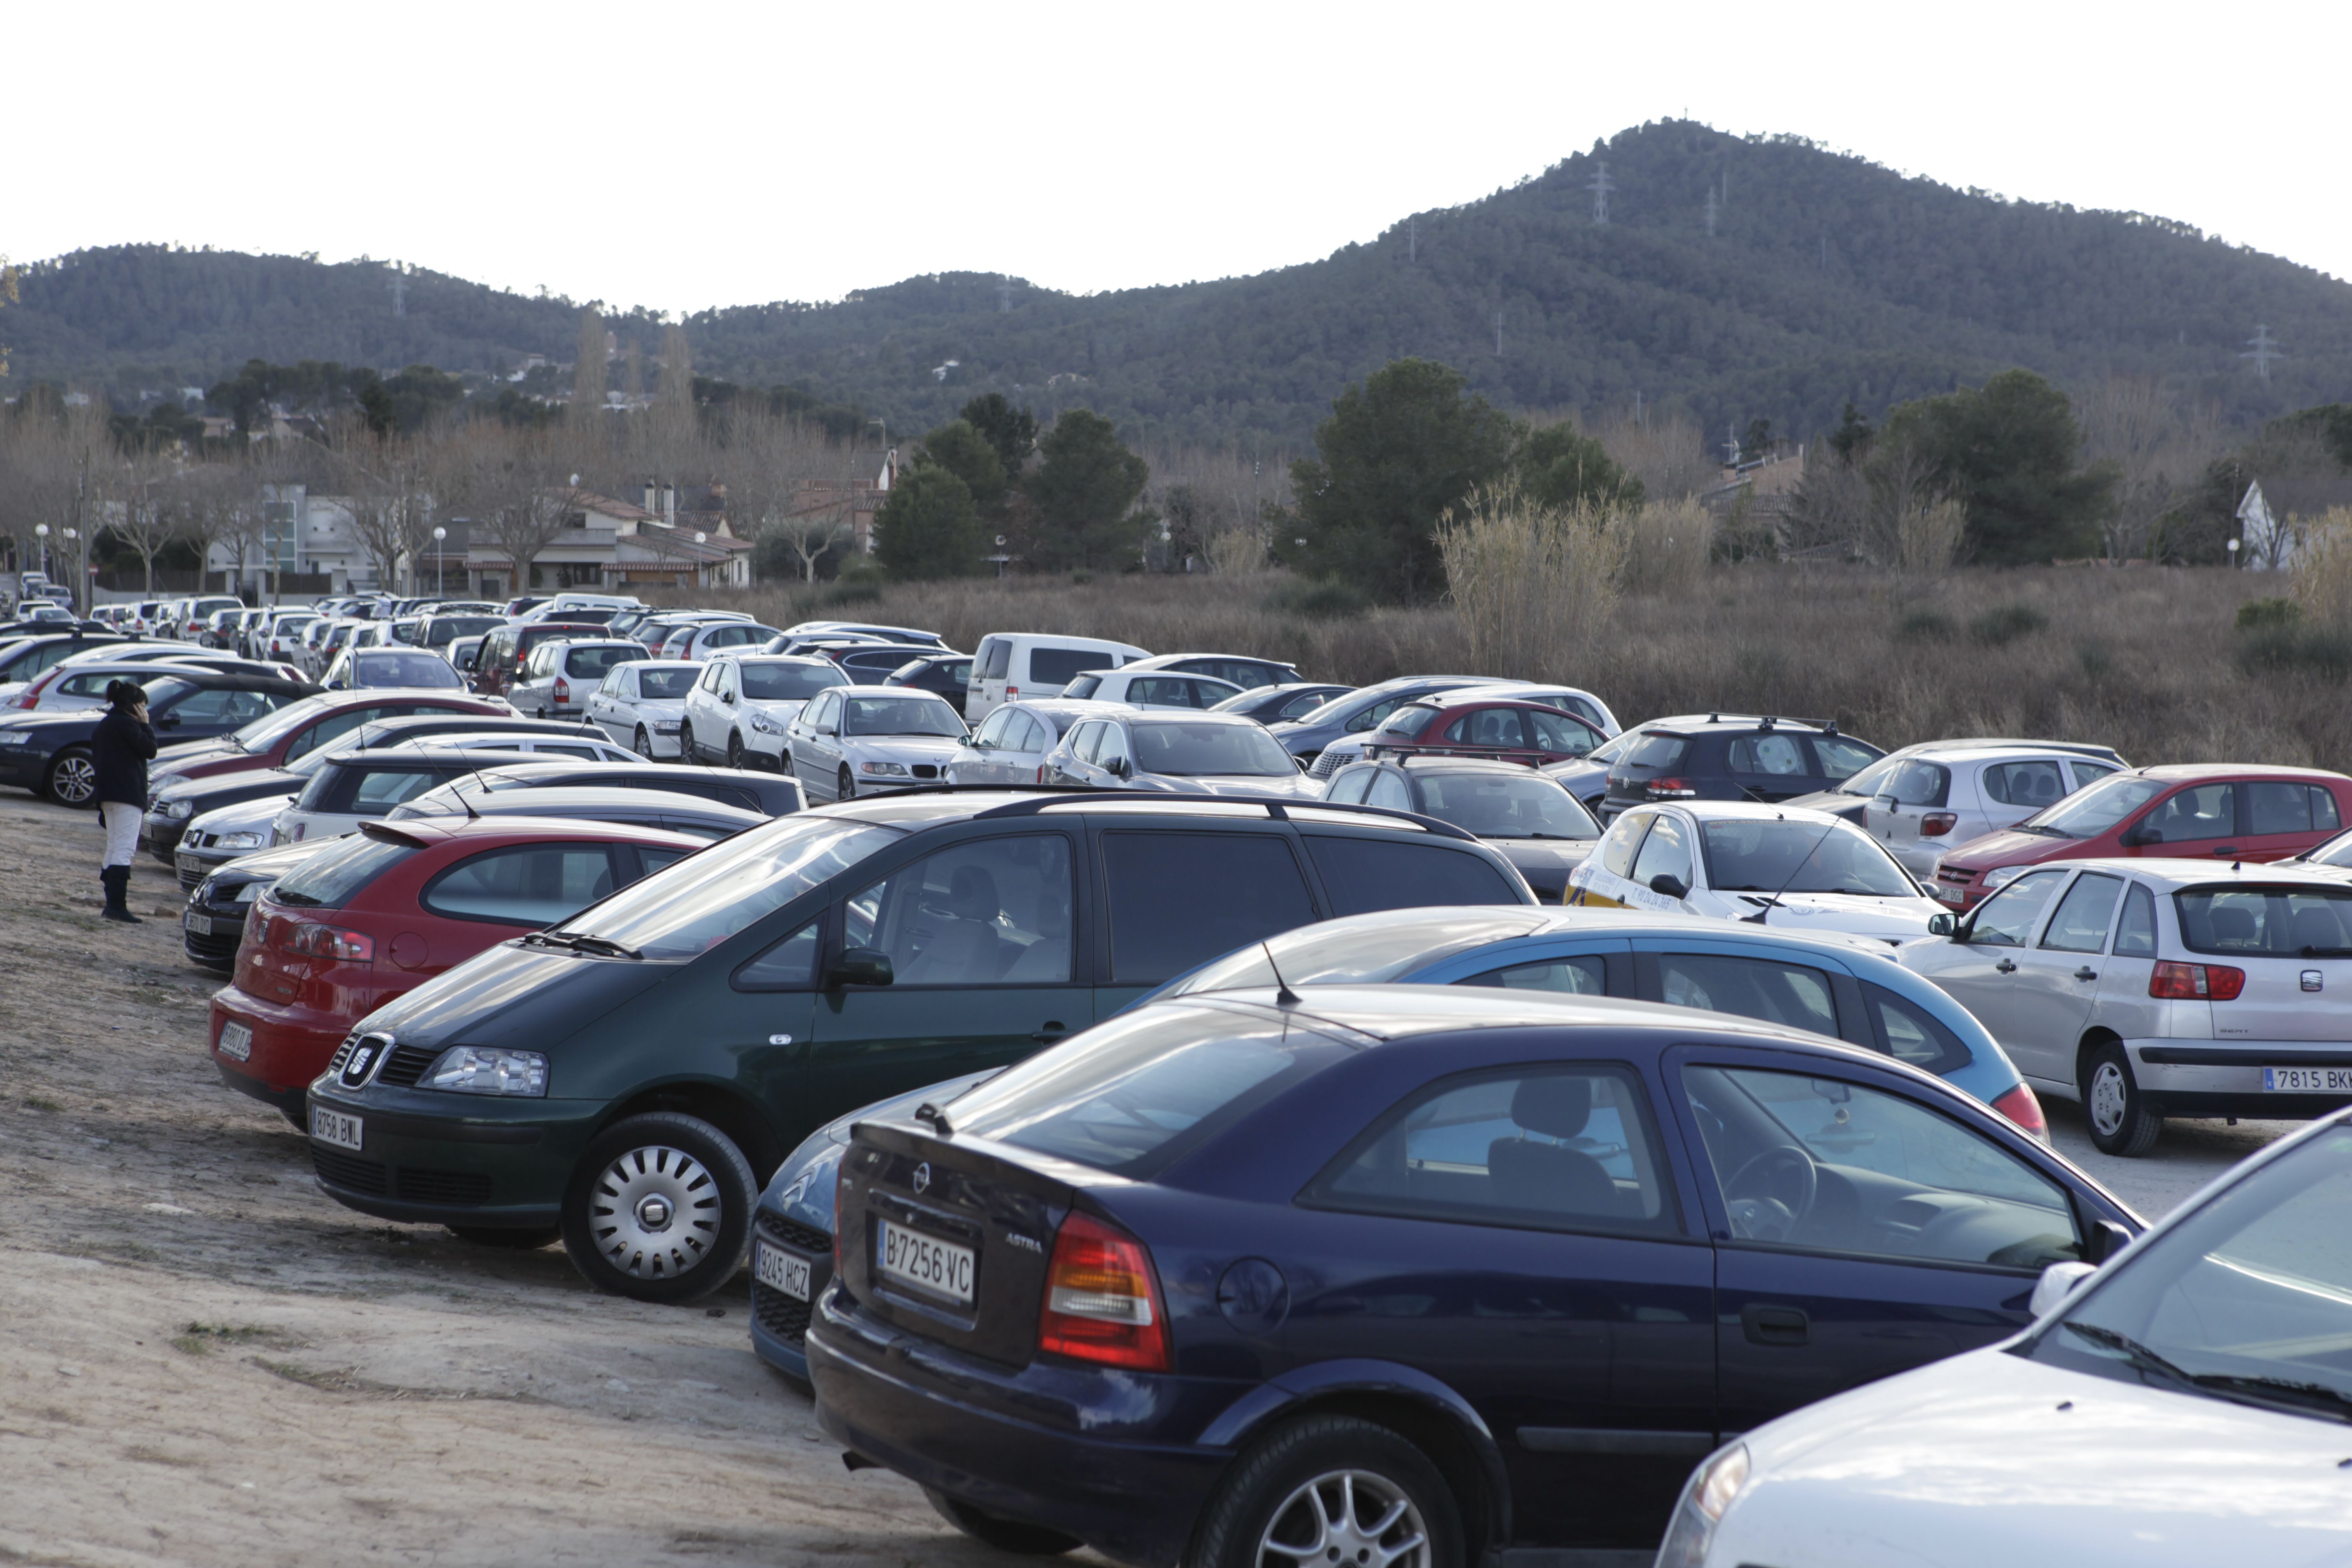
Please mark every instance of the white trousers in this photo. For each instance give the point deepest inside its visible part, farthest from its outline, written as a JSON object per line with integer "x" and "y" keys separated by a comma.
{"x": 121, "y": 831}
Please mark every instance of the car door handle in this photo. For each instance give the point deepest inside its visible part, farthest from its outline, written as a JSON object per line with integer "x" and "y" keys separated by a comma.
{"x": 1775, "y": 1325}
{"x": 2227, "y": 849}
{"x": 2086, "y": 973}
{"x": 2005, "y": 967}
{"x": 1054, "y": 1030}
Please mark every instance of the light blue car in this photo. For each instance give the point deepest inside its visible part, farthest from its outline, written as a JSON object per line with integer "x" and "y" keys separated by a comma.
{"x": 1848, "y": 988}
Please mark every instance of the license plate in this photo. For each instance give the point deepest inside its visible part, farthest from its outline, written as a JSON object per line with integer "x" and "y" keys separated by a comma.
{"x": 334, "y": 1127}
{"x": 201, "y": 925}
{"x": 931, "y": 1266}
{"x": 187, "y": 863}
{"x": 780, "y": 1271}
{"x": 236, "y": 1040}
{"x": 2307, "y": 1080}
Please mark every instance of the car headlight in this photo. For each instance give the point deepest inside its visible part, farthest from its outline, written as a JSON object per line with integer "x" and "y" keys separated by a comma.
{"x": 765, "y": 725}
{"x": 1712, "y": 1487}
{"x": 250, "y": 891}
{"x": 893, "y": 770}
{"x": 2003, "y": 876}
{"x": 666, "y": 726}
{"x": 484, "y": 1070}
{"x": 237, "y": 840}
{"x": 180, "y": 810}
{"x": 15, "y": 738}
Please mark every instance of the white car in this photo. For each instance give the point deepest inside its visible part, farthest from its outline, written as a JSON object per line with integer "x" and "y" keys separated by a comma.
{"x": 2149, "y": 988}
{"x": 1010, "y": 665}
{"x": 1010, "y": 744}
{"x": 867, "y": 740}
{"x": 1132, "y": 687}
{"x": 741, "y": 708}
{"x": 1198, "y": 753}
{"x": 642, "y": 705}
{"x": 560, "y": 677}
{"x": 582, "y": 747}
{"x": 1935, "y": 798}
{"x": 1768, "y": 865}
{"x": 2182, "y": 1407}
{"x": 699, "y": 640}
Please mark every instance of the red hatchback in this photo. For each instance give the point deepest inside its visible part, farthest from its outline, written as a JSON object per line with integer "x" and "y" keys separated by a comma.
{"x": 384, "y": 910}
{"x": 2187, "y": 812}
{"x": 300, "y": 728}
{"x": 1506, "y": 732}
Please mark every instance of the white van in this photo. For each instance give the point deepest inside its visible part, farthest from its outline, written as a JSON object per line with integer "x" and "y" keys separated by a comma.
{"x": 1012, "y": 667}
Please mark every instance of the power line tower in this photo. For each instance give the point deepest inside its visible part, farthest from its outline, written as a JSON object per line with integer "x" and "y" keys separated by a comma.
{"x": 1498, "y": 334}
{"x": 1004, "y": 294}
{"x": 1413, "y": 239}
{"x": 2261, "y": 348}
{"x": 1600, "y": 184}
{"x": 399, "y": 295}
{"x": 1714, "y": 210}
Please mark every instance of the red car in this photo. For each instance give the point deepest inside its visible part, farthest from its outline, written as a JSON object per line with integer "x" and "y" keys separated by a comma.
{"x": 2190, "y": 811}
{"x": 381, "y": 911}
{"x": 1528, "y": 733}
{"x": 299, "y": 729}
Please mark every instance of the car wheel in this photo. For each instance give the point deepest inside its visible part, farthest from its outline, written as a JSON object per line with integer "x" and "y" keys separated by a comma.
{"x": 72, "y": 778}
{"x": 734, "y": 749}
{"x": 1011, "y": 1535}
{"x": 844, "y": 787}
{"x": 659, "y": 1209}
{"x": 529, "y": 1240}
{"x": 2121, "y": 1120}
{"x": 644, "y": 745}
{"x": 1330, "y": 1489}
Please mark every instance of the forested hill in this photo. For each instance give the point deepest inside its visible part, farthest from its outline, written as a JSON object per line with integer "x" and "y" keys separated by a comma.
{"x": 1827, "y": 278}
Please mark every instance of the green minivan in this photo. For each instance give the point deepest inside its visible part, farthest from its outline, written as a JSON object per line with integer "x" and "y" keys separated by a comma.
{"x": 628, "y": 1078}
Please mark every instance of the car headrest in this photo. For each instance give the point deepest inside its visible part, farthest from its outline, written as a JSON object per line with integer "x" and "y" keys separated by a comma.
{"x": 1556, "y": 1105}
{"x": 972, "y": 894}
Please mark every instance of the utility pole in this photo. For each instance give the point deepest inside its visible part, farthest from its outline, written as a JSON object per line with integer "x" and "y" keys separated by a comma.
{"x": 2261, "y": 348}
{"x": 1498, "y": 334}
{"x": 1713, "y": 208}
{"x": 1004, "y": 294}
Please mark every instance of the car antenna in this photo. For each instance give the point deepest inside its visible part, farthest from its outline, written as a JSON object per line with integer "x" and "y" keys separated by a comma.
{"x": 1284, "y": 997}
{"x": 1765, "y": 908}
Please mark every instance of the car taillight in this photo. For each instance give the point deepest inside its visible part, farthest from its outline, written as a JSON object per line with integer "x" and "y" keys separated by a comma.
{"x": 313, "y": 940}
{"x": 2020, "y": 1106}
{"x": 2196, "y": 982}
{"x": 1012, "y": 694}
{"x": 562, "y": 689}
{"x": 31, "y": 695}
{"x": 1669, "y": 789}
{"x": 1040, "y": 772}
{"x": 1102, "y": 1304}
{"x": 1935, "y": 824}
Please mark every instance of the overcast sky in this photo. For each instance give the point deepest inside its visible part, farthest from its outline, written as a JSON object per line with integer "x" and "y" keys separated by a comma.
{"x": 688, "y": 155}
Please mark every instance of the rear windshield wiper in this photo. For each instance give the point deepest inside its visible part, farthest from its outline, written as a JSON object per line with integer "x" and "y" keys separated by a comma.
{"x": 281, "y": 896}
{"x": 2328, "y": 953}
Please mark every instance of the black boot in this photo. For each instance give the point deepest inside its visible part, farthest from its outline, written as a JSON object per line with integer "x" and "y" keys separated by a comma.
{"x": 117, "y": 896}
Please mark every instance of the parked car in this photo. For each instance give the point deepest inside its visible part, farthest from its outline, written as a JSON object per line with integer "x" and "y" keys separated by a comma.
{"x": 1010, "y": 665}
{"x": 1357, "y": 713}
{"x": 1765, "y": 864}
{"x": 903, "y": 636}
{"x": 375, "y": 914}
{"x": 1733, "y": 758}
{"x": 700, "y": 640}
{"x": 873, "y": 666}
{"x": 195, "y": 619}
{"x": 180, "y": 828}
{"x": 357, "y": 786}
{"x": 1198, "y": 754}
{"x": 641, "y": 703}
{"x": 1289, "y": 1245}
{"x": 440, "y": 629}
{"x": 1536, "y": 825}
{"x": 677, "y": 811}
{"x": 211, "y": 921}
{"x": 653, "y": 628}
{"x": 1850, "y": 797}
{"x": 2207, "y": 1356}
{"x": 559, "y": 677}
{"x": 1937, "y": 797}
{"x": 390, "y": 669}
{"x": 1587, "y": 777}
{"x": 1461, "y": 723}
{"x": 850, "y": 741}
{"x": 1241, "y": 672}
{"x": 743, "y": 788}
{"x": 280, "y": 636}
{"x": 1287, "y": 699}
{"x": 825, "y": 961}
{"x": 50, "y": 753}
{"x": 743, "y": 709}
{"x": 465, "y": 654}
{"x": 1009, "y": 746}
{"x": 27, "y": 656}
{"x": 1150, "y": 689}
{"x": 300, "y": 728}
{"x": 1576, "y": 703}
{"x": 2257, "y": 814}
{"x": 505, "y": 654}
{"x": 562, "y": 741}
{"x": 74, "y": 687}
{"x": 947, "y": 675}
{"x": 2149, "y": 988}
{"x": 1841, "y": 987}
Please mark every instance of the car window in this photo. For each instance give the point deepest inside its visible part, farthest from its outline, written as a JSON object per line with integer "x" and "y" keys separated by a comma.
{"x": 1774, "y": 855}
{"x": 1841, "y": 758}
{"x": 2266, "y": 923}
{"x": 381, "y": 789}
{"x": 1366, "y": 874}
{"x": 1506, "y": 805}
{"x": 1795, "y": 994}
{"x": 995, "y": 658}
{"x": 1616, "y": 851}
{"x": 1407, "y": 721}
{"x": 2007, "y": 919}
{"x": 1110, "y": 745}
{"x": 994, "y": 912}
{"x": 217, "y": 707}
{"x": 1180, "y": 898}
{"x": 1084, "y": 688}
{"x": 1026, "y": 733}
{"x": 1584, "y": 975}
{"x": 1488, "y": 727}
{"x": 2136, "y": 930}
{"x": 993, "y": 727}
{"x": 1379, "y": 712}
{"x": 1570, "y": 1147}
{"x": 785, "y": 682}
{"x": 1348, "y": 789}
{"x": 1300, "y": 706}
{"x": 339, "y": 873}
{"x": 1909, "y": 1033}
{"x": 2200, "y": 812}
{"x": 900, "y": 716}
{"x": 790, "y": 964}
{"x": 2084, "y": 915}
{"x": 524, "y": 884}
{"x": 700, "y": 903}
{"x": 1666, "y": 852}
{"x": 2036, "y": 784}
{"x": 1207, "y": 748}
{"x": 1058, "y": 666}
{"x": 1660, "y": 752}
{"x": 1389, "y": 790}
{"x": 2090, "y": 773}
{"x": 1557, "y": 733}
{"x": 1829, "y": 1166}
{"x": 1778, "y": 755}
{"x": 1920, "y": 783}
{"x": 2092, "y": 810}
{"x": 2274, "y": 806}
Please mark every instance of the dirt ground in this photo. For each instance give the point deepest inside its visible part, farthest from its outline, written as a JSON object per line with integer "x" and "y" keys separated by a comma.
{"x": 207, "y": 1361}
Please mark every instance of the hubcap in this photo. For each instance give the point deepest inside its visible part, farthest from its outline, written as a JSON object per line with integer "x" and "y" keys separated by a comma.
{"x": 2107, "y": 1098}
{"x": 1346, "y": 1517}
{"x": 76, "y": 780}
{"x": 655, "y": 1213}
{"x": 645, "y": 743}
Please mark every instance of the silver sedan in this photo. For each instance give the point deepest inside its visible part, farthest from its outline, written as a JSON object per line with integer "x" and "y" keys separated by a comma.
{"x": 862, "y": 740}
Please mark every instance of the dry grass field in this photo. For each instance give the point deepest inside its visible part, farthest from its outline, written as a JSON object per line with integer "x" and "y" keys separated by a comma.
{"x": 2145, "y": 659}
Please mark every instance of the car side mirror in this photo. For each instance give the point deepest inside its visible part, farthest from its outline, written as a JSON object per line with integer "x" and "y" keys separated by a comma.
{"x": 167, "y": 721}
{"x": 1670, "y": 885}
{"x": 1120, "y": 767}
{"x": 2057, "y": 1283}
{"x": 2103, "y": 1241}
{"x": 1302, "y": 762}
{"x": 860, "y": 966}
{"x": 1942, "y": 925}
{"x": 728, "y": 697}
{"x": 2142, "y": 834}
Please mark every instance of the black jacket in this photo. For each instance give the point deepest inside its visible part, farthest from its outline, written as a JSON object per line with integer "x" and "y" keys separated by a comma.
{"x": 119, "y": 751}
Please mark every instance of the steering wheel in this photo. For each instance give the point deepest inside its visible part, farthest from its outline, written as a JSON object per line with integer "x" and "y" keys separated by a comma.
{"x": 1772, "y": 1195}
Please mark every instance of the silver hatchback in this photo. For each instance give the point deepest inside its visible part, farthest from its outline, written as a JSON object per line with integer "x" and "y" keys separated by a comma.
{"x": 1937, "y": 797}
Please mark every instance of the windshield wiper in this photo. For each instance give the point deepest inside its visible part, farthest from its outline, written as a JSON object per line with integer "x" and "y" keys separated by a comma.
{"x": 2136, "y": 1353}
{"x": 603, "y": 944}
{"x": 2328, "y": 953}
{"x": 2280, "y": 1390}
{"x": 304, "y": 900}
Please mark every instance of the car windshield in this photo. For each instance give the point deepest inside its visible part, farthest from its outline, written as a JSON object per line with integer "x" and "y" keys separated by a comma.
{"x": 1191, "y": 749}
{"x": 1506, "y": 805}
{"x": 1408, "y": 721}
{"x": 1867, "y": 781}
{"x": 411, "y": 670}
{"x": 1365, "y": 950}
{"x": 666, "y": 683}
{"x": 794, "y": 682}
{"x": 1137, "y": 1093}
{"x": 2247, "y": 1298}
{"x": 2092, "y": 809}
{"x": 899, "y": 716}
{"x": 700, "y": 903}
{"x": 1749, "y": 854}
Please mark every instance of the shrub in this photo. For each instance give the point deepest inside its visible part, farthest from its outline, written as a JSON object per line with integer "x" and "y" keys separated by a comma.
{"x": 2095, "y": 660}
{"x": 1924, "y": 625}
{"x": 2321, "y": 569}
{"x": 1667, "y": 544}
{"x": 854, "y": 588}
{"x": 1317, "y": 598}
{"x": 2272, "y": 648}
{"x": 2005, "y": 623}
{"x": 2255, "y": 613}
{"x": 1533, "y": 585}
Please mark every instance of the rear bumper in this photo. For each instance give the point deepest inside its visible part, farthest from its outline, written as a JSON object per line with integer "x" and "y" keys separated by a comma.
{"x": 2215, "y": 1078}
{"x": 292, "y": 1045}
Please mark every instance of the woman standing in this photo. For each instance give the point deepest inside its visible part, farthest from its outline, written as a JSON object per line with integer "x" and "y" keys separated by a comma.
{"x": 119, "y": 753}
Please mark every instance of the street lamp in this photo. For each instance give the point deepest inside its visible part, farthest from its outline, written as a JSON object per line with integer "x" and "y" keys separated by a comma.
{"x": 438, "y": 535}
{"x": 78, "y": 589}
{"x": 41, "y": 531}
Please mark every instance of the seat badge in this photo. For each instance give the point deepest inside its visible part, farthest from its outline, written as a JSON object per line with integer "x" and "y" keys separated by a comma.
{"x": 2313, "y": 980}
{"x": 922, "y": 1181}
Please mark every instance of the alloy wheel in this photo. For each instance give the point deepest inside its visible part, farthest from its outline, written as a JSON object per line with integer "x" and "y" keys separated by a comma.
{"x": 644, "y": 745}
{"x": 734, "y": 751}
{"x": 1351, "y": 1517}
{"x": 2107, "y": 1098}
{"x": 655, "y": 1211}
{"x": 73, "y": 780}
{"x": 844, "y": 787}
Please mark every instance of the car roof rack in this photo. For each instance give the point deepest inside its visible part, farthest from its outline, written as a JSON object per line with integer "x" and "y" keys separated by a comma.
{"x": 1042, "y": 796}
{"x": 1763, "y": 722}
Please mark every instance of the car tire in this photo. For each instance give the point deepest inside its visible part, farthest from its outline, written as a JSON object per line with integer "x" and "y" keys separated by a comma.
{"x": 529, "y": 1240}
{"x": 644, "y": 745}
{"x": 2120, "y": 1120}
{"x": 734, "y": 749}
{"x": 687, "y": 1246}
{"x": 72, "y": 778}
{"x": 1263, "y": 1509}
{"x": 1015, "y": 1536}
{"x": 844, "y": 787}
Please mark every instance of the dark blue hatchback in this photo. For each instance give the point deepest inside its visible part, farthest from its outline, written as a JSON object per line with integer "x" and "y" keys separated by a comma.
{"x": 1406, "y": 1271}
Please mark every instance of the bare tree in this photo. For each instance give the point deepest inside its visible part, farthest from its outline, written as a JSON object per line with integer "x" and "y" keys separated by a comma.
{"x": 137, "y": 507}
{"x": 588, "y": 378}
{"x": 204, "y": 499}
{"x": 771, "y": 467}
{"x": 2157, "y": 440}
{"x": 522, "y": 490}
